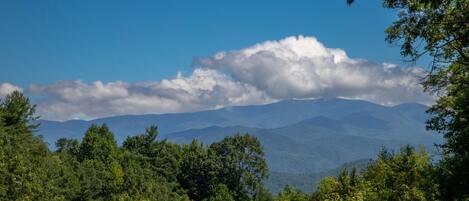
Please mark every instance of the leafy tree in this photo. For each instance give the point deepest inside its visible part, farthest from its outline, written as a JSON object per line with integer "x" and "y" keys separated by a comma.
{"x": 142, "y": 169}
{"x": 161, "y": 156}
{"x": 243, "y": 165}
{"x": 290, "y": 194}
{"x": 26, "y": 170}
{"x": 348, "y": 186}
{"x": 65, "y": 145}
{"x": 407, "y": 175}
{"x": 221, "y": 193}
{"x": 98, "y": 144}
{"x": 199, "y": 170}
{"x": 151, "y": 168}
{"x": 100, "y": 172}
{"x": 441, "y": 29}
{"x": 141, "y": 143}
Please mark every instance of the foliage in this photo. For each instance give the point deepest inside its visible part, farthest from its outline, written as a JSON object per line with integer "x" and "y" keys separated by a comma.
{"x": 442, "y": 27}
{"x": 143, "y": 168}
{"x": 242, "y": 165}
{"x": 26, "y": 169}
{"x": 199, "y": 170}
{"x": 290, "y": 194}
{"x": 407, "y": 175}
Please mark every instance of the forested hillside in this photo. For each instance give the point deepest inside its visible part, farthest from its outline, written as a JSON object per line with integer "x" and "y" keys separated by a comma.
{"x": 145, "y": 168}
{"x": 204, "y": 160}
{"x": 299, "y": 136}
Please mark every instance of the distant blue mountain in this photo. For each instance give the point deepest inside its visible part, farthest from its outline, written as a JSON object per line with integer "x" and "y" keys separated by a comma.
{"x": 299, "y": 136}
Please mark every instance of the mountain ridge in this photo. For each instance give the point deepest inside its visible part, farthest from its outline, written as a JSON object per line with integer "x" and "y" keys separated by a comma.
{"x": 326, "y": 132}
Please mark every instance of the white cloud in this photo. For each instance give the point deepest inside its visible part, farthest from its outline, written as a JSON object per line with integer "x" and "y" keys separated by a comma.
{"x": 295, "y": 67}
{"x": 203, "y": 89}
{"x": 6, "y": 88}
{"x": 302, "y": 67}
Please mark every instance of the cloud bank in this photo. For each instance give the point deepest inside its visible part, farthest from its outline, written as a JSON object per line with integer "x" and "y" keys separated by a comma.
{"x": 302, "y": 67}
{"x": 291, "y": 68}
{"x": 203, "y": 89}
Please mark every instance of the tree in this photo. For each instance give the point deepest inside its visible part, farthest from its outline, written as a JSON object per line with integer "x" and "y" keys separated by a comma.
{"x": 161, "y": 156}
{"x": 99, "y": 144}
{"x": 243, "y": 165}
{"x": 221, "y": 193}
{"x": 18, "y": 113}
{"x": 141, "y": 143}
{"x": 101, "y": 174}
{"x": 151, "y": 168}
{"x": 443, "y": 28}
{"x": 406, "y": 175}
{"x": 65, "y": 145}
{"x": 348, "y": 186}
{"x": 199, "y": 170}
{"x": 26, "y": 170}
{"x": 440, "y": 29}
{"x": 290, "y": 194}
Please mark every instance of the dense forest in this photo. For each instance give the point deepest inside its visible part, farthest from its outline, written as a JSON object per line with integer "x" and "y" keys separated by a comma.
{"x": 145, "y": 168}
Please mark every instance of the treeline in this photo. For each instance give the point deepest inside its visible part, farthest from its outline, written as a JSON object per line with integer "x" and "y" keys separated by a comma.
{"x": 144, "y": 168}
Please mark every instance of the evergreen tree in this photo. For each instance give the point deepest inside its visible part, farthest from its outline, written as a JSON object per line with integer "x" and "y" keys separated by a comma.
{"x": 26, "y": 170}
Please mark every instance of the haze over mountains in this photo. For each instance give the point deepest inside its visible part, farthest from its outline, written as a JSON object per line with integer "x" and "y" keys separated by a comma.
{"x": 299, "y": 136}
{"x": 348, "y": 129}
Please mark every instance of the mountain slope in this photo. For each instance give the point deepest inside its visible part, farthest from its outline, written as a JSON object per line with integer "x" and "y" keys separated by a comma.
{"x": 299, "y": 136}
{"x": 273, "y": 115}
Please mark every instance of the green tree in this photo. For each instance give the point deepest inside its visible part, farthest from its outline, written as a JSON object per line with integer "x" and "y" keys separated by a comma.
{"x": 441, "y": 29}
{"x": 221, "y": 193}
{"x": 290, "y": 194}
{"x": 98, "y": 143}
{"x": 141, "y": 143}
{"x": 348, "y": 186}
{"x": 65, "y": 145}
{"x": 101, "y": 174}
{"x": 199, "y": 170}
{"x": 161, "y": 156}
{"x": 150, "y": 168}
{"x": 243, "y": 165}
{"x": 27, "y": 172}
{"x": 18, "y": 113}
{"x": 405, "y": 176}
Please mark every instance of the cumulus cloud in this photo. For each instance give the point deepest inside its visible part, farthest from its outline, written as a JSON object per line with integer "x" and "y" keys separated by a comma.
{"x": 291, "y": 68}
{"x": 302, "y": 67}
{"x": 203, "y": 89}
{"x": 6, "y": 88}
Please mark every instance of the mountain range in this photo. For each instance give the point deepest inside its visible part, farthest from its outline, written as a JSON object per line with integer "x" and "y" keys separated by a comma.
{"x": 299, "y": 136}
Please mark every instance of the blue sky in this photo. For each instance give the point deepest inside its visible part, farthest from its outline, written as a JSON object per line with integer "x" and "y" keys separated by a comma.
{"x": 45, "y": 41}
{"x": 88, "y": 59}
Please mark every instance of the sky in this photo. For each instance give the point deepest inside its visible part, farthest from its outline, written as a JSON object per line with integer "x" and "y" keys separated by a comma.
{"x": 90, "y": 59}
